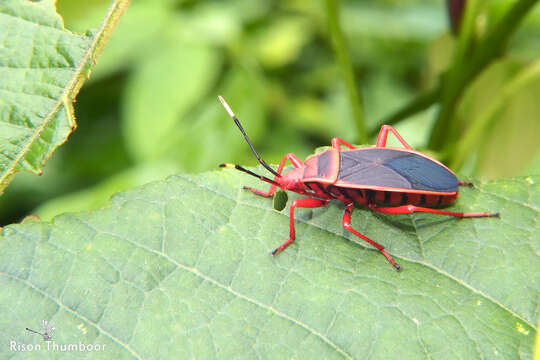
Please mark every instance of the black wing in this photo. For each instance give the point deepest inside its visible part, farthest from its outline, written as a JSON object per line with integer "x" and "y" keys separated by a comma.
{"x": 394, "y": 168}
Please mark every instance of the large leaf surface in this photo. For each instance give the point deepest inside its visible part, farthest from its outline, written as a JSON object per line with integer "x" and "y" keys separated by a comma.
{"x": 181, "y": 269}
{"x": 42, "y": 67}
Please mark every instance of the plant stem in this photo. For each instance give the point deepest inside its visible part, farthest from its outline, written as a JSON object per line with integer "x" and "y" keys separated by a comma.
{"x": 338, "y": 43}
{"x": 482, "y": 122}
{"x": 452, "y": 80}
{"x": 465, "y": 69}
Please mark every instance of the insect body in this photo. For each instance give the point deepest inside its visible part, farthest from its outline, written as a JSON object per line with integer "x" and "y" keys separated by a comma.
{"x": 383, "y": 179}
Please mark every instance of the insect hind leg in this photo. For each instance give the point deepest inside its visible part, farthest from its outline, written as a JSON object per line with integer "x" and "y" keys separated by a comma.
{"x": 409, "y": 209}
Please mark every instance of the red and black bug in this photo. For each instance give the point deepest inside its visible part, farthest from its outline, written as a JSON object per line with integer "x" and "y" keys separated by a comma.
{"x": 383, "y": 179}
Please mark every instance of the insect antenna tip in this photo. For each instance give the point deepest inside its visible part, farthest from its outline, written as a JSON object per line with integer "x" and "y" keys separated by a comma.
{"x": 226, "y": 106}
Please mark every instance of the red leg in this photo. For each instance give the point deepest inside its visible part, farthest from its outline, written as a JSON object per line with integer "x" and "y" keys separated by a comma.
{"x": 296, "y": 163}
{"x": 408, "y": 209}
{"x": 465, "y": 183}
{"x": 304, "y": 203}
{"x": 383, "y": 134}
{"x": 337, "y": 142}
{"x": 347, "y": 225}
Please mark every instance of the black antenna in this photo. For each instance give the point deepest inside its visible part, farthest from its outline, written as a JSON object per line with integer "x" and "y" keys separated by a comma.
{"x": 231, "y": 114}
{"x": 238, "y": 167}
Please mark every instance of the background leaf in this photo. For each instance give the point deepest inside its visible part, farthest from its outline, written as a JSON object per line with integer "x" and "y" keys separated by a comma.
{"x": 163, "y": 91}
{"x": 182, "y": 268}
{"x": 42, "y": 67}
{"x": 152, "y": 96}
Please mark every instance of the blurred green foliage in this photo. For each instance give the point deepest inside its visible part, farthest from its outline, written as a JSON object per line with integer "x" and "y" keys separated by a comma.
{"x": 150, "y": 107}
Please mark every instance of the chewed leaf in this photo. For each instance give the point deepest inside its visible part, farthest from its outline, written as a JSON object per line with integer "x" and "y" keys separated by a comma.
{"x": 182, "y": 268}
{"x": 42, "y": 67}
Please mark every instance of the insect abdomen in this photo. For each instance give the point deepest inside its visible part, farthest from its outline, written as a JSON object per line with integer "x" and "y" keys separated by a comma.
{"x": 381, "y": 197}
{"x": 347, "y": 194}
{"x": 396, "y": 198}
{"x": 389, "y": 198}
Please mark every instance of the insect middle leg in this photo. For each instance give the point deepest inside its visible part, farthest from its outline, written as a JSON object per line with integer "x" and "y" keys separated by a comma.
{"x": 383, "y": 135}
{"x": 347, "y": 225}
{"x": 337, "y": 142}
{"x": 303, "y": 203}
{"x": 409, "y": 209}
{"x": 296, "y": 163}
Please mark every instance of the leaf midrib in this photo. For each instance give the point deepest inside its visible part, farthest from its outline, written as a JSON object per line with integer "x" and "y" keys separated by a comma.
{"x": 54, "y": 110}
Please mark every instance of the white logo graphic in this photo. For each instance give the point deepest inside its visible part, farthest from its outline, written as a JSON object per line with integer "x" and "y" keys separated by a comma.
{"x": 47, "y": 327}
{"x": 50, "y": 345}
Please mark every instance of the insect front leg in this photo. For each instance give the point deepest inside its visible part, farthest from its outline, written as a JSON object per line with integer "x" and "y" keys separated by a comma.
{"x": 383, "y": 135}
{"x": 409, "y": 209}
{"x": 303, "y": 203}
{"x": 296, "y": 163}
{"x": 347, "y": 225}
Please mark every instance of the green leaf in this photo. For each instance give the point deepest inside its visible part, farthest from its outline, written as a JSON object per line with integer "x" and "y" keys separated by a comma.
{"x": 42, "y": 67}
{"x": 128, "y": 45}
{"x": 98, "y": 195}
{"x": 182, "y": 268}
{"x": 279, "y": 201}
{"x": 206, "y": 137}
{"x": 281, "y": 42}
{"x": 499, "y": 99}
{"x": 162, "y": 91}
